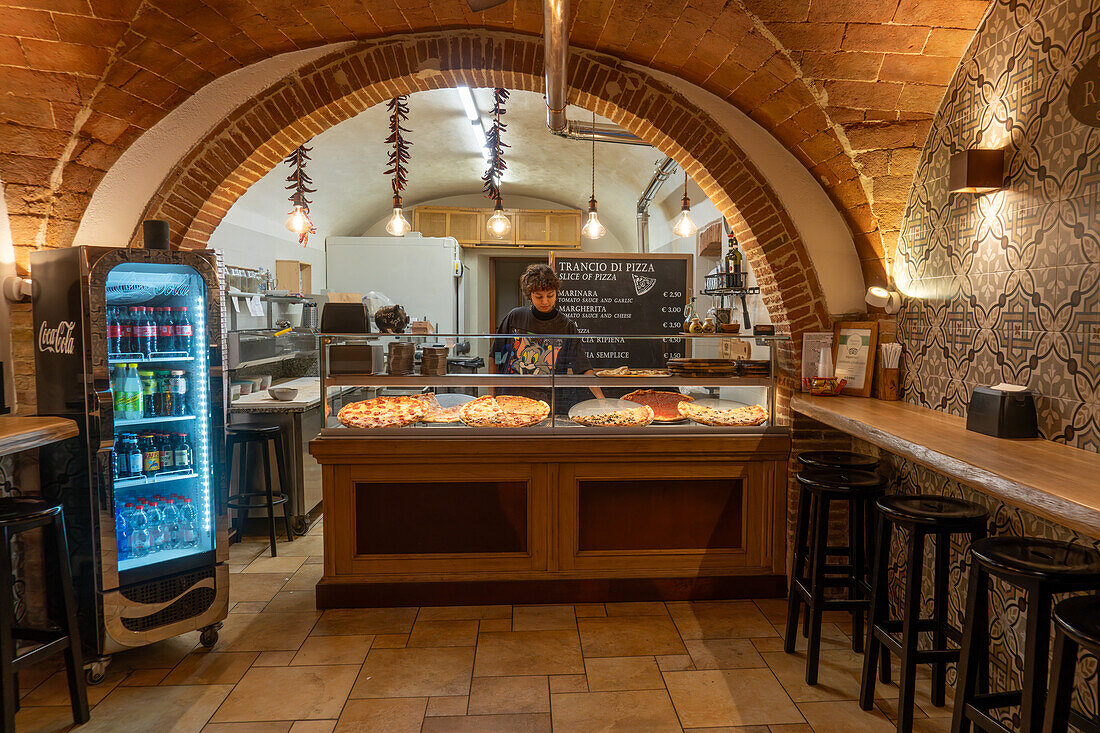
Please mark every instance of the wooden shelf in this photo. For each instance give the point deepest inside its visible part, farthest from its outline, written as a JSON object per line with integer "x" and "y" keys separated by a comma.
{"x": 23, "y": 433}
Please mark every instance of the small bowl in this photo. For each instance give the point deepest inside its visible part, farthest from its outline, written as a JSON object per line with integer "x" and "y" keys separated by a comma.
{"x": 730, "y": 327}
{"x": 265, "y": 382}
{"x": 283, "y": 394}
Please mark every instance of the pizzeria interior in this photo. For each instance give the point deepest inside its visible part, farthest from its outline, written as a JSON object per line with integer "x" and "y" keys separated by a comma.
{"x": 520, "y": 365}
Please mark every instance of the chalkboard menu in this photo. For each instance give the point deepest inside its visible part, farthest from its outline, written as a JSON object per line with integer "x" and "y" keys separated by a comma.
{"x": 644, "y": 294}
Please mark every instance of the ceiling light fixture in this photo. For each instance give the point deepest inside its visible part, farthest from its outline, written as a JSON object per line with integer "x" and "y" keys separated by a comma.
{"x": 592, "y": 228}
{"x": 499, "y": 225}
{"x": 684, "y": 226}
{"x": 477, "y": 125}
{"x": 298, "y": 183}
{"x": 398, "y": 225}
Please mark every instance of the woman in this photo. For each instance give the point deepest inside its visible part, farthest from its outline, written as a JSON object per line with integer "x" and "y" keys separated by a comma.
{"x": 528, "y": 352}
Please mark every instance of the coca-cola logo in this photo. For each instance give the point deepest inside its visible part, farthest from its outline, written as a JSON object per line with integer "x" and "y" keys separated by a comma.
{"x": 58, "y": 339}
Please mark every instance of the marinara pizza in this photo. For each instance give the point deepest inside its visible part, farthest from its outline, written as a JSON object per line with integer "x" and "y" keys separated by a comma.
{"x": 383, "y": 412}
{"x": 630, "y": 417}
{"x": 723, "y": 416}
{"x": 664, "y": 404}
{"x": 504, "y": 411}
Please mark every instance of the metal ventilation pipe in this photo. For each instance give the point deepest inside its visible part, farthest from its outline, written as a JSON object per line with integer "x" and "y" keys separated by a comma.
{"x": 665, "y": 168}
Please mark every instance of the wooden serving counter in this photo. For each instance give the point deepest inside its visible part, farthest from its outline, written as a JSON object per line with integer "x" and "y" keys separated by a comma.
{"x": 547, "y": 519}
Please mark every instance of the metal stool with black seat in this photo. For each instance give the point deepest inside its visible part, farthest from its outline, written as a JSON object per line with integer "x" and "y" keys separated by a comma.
{"x": 1041, "y": 568}
{"x": 243, "y": 436}
{"x": 820, "y": 489}
{"x": 920, "y": 516}
{"x": 1076, "y": 628}
{"x": 21, "y": 515}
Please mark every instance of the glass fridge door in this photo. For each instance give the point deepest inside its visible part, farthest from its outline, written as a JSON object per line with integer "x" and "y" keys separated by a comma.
{"x": 156, "y": 328}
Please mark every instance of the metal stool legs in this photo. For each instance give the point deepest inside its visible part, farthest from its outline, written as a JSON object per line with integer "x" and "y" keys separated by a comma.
{"x": 243, "y": 500}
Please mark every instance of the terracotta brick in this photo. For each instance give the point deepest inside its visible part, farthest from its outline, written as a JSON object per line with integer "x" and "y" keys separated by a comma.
{"x": 881, "y": 136}
{"x": 862, "y": 94}
{"x": 918, "y": 69}
{"x": 27, "y": 23}
{"x": 868, "y": 11}
{"x": 948, "y": 42}
{"x": 904, "y": 161}
{"x": 809, "y": 36}
{"x": 28, "y": 112}
{"x": 885, "y": 38}
{"x": 874, "y": 163}
{"x": 890, "y": 188}
{"x": 920, "y": 98}
{"x": 781, "y": 10}
{"x": 27, "y": 83}
{"x": 60, "y": 56}
{"x": 842, "y": 65}
{"x": 942, "y": 13}
{"x": 96, "y": 32}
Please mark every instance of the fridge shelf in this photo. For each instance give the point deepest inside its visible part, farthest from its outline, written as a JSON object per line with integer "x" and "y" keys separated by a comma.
{"x": 156, "y": 357}
{"x": 151, "y": 421}
{"x": 160, "y": 478}
{"x": 152, "y": 558}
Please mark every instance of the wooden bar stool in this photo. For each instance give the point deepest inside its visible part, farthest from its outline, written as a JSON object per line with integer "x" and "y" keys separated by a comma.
{"x": 921, "y": 516}
{"x": 20, "y": 515}
{"x": 243, "y": 436}
{"x": 820, "y": 490}
{"x": 1041, "y": 568}
{"x": 1076, "y": 627}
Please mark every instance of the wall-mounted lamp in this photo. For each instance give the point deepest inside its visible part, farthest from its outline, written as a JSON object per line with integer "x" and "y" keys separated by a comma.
{"x": 880, "y": 297}
{"x": 17, "y": 289}
{"x": 977, "y": 171}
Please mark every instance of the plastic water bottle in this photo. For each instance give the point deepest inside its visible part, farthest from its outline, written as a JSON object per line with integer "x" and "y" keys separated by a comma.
{"x": 189, "y": 536}
{"x": 171, "y": 518}
{"x": 139, "y": 535}
{"x": 122, "y": 531}
{"x": 157, "y": 533}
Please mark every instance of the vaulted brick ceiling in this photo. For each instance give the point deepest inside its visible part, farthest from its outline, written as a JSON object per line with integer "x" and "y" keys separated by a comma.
{"x": 849, "y": 86}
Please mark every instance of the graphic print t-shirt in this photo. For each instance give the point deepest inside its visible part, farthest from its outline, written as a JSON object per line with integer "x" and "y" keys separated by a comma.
{"x": 526, "y": 350}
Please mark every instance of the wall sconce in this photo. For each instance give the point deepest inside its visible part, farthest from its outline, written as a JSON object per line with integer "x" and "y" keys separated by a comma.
{"x": 880, "y": 297}
{"x": 18, "y": 289}
{"x": 977, "y": 171}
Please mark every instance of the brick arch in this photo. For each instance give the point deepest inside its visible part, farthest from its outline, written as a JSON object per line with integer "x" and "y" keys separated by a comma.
{"x": 258, "y": 135}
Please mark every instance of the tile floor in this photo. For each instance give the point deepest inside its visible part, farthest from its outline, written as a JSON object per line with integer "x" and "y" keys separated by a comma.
{"x": 281, "y": 666}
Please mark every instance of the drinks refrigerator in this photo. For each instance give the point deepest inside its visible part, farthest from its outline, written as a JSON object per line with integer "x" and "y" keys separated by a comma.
{"x": 128, "y": 597}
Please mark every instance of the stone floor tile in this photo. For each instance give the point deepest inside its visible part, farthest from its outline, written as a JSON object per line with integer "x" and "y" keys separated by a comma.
{"x": 211, "y": 668}
{"x": 248, "y": 607}
{"x": 356, "y": 621}
{"x": 774, "y": 609}
{"x": 264, "y": 632}
{"x": 300, "y": 547}
{"x": 145, "y": 677}
{"x": 844, "y": 717}
{"x": 543, "y": 618}
{"x": 832, "y": 637}
{"x": 498, "y": 695}
{"x": 306, "y": 578}
{"x": 400, "y": 715}
{"x": 606, "y": 674}
{"x": 421, "y": 672}
{"x": 624, "y": 636}
{"x": 448, "y": 705}
{"x": 709, "y": 698}
{"x": 719, "y": 620}
{"x": 521, "y": 723}
{"x": 322, "y": 650}
{"x": 723, "y": 653}
{"x": 583, "y": 610}
{"x": 636, "y": 608}
{"x": 55, "y": 690}
{"x": 839, "y": 676}
{"x": 53, "y": 719}
{"x": 313, "y": 726}
{"x": 160, "y": 655}
{"x": 674, "y": 662}
{"x": 282, "y": 726}
{"x": 292, "y": 601}
{"x": 443, "y": 633}
{"x": 738, "y": 729}
{"x": 274, "y": 659}
{"x": 614, "y": 712}
{"x": 256, "y": 586}
{"x": 242, "y": 553}
{"x": 495, "y": 624}
{"x": 390, "y": 641}
{"x": 180, "y": 709}
{"x": 511, "y": 653}
{"x": 462, "y": 613}
{"x": 288, "y": 693}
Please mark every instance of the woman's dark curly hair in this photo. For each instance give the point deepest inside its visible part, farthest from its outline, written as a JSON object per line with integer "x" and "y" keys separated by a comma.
{"x": 537, "y": 278}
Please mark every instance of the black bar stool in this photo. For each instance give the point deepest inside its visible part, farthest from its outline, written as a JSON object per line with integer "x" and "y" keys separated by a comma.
{"x": 921, "y": 515}
{"x": 1041, "y": 568}
{"x": 20, "y": 515}
{"x": 1076, "y": 627}
{"x": 819, "y": 490}
{"x": 262, "y": 435}
{"x": 838, "y": 460}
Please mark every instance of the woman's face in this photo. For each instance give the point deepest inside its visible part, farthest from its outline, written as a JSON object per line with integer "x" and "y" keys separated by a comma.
{"x": 544, "y": 300}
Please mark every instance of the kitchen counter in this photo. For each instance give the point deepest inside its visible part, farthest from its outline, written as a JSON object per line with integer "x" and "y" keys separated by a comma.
{"x": 309, "y": 397}
{"x": 1054, "y": 481}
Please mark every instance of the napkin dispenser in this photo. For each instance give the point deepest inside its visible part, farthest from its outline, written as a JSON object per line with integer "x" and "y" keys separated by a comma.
{"x": 1003, "y": 411}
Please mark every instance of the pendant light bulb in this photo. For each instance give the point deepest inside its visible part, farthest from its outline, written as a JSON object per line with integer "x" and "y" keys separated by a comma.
{"x": 298, "y": 221}
{"x": 684, "y": 226}
{"x": 592, "y": 228}
{"x": 499, "y": 224}
{"x": 398, "y": 225}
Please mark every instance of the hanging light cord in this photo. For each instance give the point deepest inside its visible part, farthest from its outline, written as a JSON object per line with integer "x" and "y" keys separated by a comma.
{"x": 593, "y": 155}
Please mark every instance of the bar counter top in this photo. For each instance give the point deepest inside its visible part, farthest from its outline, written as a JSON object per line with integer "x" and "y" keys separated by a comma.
{"x": 308, "y": 397}
{"x": 1054, "y": 481}
{"x": 23, "y": 433}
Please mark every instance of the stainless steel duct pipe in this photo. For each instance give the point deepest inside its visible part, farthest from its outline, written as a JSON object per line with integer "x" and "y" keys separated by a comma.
{"x": 665, "y": 168}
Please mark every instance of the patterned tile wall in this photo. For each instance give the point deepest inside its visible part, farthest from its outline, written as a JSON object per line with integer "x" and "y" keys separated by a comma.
{"x": 1006, "y": 286}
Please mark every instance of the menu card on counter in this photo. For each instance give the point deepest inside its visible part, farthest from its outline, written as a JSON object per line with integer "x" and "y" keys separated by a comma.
{"x": 609, "y": 293}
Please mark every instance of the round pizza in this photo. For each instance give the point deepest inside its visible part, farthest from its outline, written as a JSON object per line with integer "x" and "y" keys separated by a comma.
{"x": 630, "y": 417}
{"x": 437, "y": 413}
{"x": 664, "y": 404}
{"x": 628, "y": 372}
{"x": 383, "y": 412}
{"x": 723, "y": 416}
{"x": 503, "y": 411}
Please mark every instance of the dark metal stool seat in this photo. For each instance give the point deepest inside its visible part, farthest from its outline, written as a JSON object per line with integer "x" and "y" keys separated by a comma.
{"x": 243, "y": 436}
{"x": 20, "y": 515}
{"x": 819, "y": 490}
{"x": 921, "y": 515}
{"x": 1041, "y": 568}
{"x": 1076, "y": 628}
{"x": 838, "y": 459}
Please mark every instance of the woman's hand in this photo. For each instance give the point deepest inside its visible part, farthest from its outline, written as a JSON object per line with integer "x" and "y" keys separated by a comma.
{"x": 595, "y": 390}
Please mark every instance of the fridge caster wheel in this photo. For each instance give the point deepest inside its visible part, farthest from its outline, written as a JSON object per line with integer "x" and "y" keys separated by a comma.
{"x": 95, "y": 672}
{"x": 209, "y": 636}
{"x": 300, "y": 524}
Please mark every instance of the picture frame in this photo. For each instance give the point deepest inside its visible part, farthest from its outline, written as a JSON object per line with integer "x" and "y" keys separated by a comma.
{"x": 855, "y": 344}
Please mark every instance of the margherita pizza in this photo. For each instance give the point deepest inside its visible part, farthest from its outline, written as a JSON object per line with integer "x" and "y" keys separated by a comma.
{"x": 436, "y": 412}
{"x": 723, "y": 416}
{"x": 383, "y": 412}
{"x": 631, "y": 417}
{"x": 628, "y": 372}
{"x": 664, "y": 404}
{"x": 505, "y": 411}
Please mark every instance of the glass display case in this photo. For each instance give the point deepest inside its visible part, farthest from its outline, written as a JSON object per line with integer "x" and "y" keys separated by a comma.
{"x": 546, "y": 384}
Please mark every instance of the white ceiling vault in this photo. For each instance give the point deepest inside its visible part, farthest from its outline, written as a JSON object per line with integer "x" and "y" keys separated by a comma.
{"x": 348, "y": 161}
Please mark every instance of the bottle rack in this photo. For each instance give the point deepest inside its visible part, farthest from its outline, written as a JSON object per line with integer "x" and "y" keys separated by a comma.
{"x": 157, "y": 356}
{"x": 151, "y": 421}
{"x": 163, "y": 477}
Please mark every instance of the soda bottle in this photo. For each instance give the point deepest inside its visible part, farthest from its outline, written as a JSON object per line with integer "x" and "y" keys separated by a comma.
{"x": 164, "y": 401}
{"x": 177, "y": 388}
{"x": 167, "y": 455}
{"x": 150, "y": 455}
{"x": 129, "y": 329}
{"x": 135, "y": 463}
{"x": 139, "y": 534}
{"x": 170, "y": 516}
{"x": 182, "y": 456}
{"x": 181, "y": 328}
{"x": 131, "y": 387}
{"x": 114, "y": 331}
{"x": 189, "y": 535}
{"x": 118, "y": 395}
{"x": 122, "y": 531}
{"x": 145, "y": 331}
{"x": 148, "y": 392}
{"x": 166, "y": 330}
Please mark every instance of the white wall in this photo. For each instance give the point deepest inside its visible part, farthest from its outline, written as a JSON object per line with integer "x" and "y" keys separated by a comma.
{"x": 258, "y": 246}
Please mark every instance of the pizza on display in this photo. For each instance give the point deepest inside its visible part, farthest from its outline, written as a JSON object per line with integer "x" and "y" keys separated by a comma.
{"x": 723, "y": 417}
{"x": 383, "y": 412}
{"x": 436, "y": 412}
{"x": 631, "y": 417}
{"x": 503, "y": 411}
{"x": 664, "y": 404}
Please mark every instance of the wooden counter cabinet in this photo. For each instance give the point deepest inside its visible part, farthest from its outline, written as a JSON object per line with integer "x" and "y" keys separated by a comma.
{"x": 542, "y": 519}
